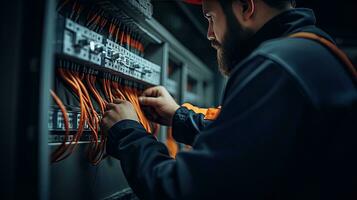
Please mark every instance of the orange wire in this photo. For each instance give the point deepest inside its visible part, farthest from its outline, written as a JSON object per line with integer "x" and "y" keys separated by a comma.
{"x": 116, "y": 91}
{"x": 122, "y": 38}
{"x": 76, "y": 88}
{"x": 132, "y": 96}
{"x": 93, "y": 115}
{"x": 91, "y": 81}
{"x": 109, "y": 90}
{"x": 62, "y": 148}
{"x": 117, "y": 33}
{"x": 93, "y": 17}
{"x": 95, "y": 151}
{"x": 71, "y": 147}
{"x": 98, "y": 98}
{"x": 141, "y": 47}
{"x": 105, "y": 88}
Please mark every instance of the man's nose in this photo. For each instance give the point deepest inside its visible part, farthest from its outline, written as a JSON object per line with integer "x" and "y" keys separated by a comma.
{"x": 210, "y": 33}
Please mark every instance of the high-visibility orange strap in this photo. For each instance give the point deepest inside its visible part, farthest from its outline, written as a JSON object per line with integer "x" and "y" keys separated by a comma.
{"x": 209, "y": 113}
{"x": 332, "y": 47}
{"x": 171, "y": 144}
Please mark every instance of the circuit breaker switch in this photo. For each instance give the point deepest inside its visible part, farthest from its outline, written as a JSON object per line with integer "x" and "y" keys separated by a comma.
{"x": 83, "y": 42}
{"x": 147, "y": 70}
{"x": 136, "y": 66}
{"x": 96, "y": 48}
{"x": 115, "y": 55}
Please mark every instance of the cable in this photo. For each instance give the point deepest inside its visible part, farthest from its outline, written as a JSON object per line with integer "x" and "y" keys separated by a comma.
{"x": 76, "y": 88}
{"x": 102, "y": 104}
{"x": 90, "y": 79}
{"x": 62, "y": 148}
{"x": 132, "y": 96}
{"x": 94, "y": 152}
{"x": 116, "y": 91}
{"x": 93, "y": 120}
{"x": 111, "y": 97}
{"x": 60, "y": 6}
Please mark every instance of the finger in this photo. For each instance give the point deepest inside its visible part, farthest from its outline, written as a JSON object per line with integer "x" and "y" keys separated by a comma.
{"x": 152, "y": 92}
{"x": 106, "y": 113}
{"x": 150, "y": 113}
{"x": 110, "y": 106}
{"x": 104, "y": 122}
{"x": 149, "y": 101}
{"x": 119, "y": 101}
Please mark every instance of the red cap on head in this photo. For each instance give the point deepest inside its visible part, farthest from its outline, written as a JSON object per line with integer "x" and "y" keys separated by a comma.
{"x": 196, "y": 2}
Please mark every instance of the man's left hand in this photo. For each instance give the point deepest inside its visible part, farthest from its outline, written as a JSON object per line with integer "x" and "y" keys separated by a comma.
{"x": 118, "y": 111}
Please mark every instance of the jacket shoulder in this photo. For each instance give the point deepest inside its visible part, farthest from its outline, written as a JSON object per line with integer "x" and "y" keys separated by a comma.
{"x": 315, "y": 69}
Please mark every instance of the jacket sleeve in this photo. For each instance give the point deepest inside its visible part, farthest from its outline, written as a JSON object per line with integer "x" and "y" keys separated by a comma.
{"x": 187, "y": 124}
{"x": 239, "y": 155}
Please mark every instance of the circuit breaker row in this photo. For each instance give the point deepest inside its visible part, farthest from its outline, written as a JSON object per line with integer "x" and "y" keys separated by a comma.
{"x": 81, "y": 43}
{"x": 56, "y": 121}
{"x": 56, "y": 124}
{"x": 86, "y": 137}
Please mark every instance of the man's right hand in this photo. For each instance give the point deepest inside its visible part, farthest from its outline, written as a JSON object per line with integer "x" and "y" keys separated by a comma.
{"x": 158, "y": 105}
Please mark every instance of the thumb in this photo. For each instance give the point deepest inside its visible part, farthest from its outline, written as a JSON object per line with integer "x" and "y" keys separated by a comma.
{"x": 149, "y": 101}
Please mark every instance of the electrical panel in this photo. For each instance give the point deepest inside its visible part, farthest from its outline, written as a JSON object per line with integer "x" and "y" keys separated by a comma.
{"x": 101, "y": 54}
{"x": 104, "y": 50}
{"x": 97, "y": 40}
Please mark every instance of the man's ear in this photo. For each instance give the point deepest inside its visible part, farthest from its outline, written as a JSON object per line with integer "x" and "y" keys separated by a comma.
{"x": 246, "y": 8}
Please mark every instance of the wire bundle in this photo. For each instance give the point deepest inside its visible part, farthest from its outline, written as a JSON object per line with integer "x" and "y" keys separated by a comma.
{"x": 90, "y": 91}
{"x": 123, "y": 35}
{"x": 97, "y": 21}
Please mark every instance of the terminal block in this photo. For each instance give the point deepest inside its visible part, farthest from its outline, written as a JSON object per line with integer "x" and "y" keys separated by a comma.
{"x": 86, "y": 45}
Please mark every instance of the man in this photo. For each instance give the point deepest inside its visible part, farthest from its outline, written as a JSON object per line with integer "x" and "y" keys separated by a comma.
{"x": 286, "y": 129}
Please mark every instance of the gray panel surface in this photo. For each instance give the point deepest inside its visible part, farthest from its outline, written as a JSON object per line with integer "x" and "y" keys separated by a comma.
{"x": 75, "y": 178}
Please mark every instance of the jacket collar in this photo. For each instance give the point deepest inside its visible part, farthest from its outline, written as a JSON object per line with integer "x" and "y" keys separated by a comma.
{"x": 282, "y": 25}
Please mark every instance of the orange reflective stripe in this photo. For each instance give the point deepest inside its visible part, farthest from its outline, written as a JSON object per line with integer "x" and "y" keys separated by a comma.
{"x": 209, "y": 113}
{"x": 332, "y": 47}
{"x": 195, "y": 109}
{"x": 171, "y": 143}
{"x": 212, "y": 113}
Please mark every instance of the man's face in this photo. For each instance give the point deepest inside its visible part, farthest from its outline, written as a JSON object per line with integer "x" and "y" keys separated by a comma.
{"x": 226, "y": 36}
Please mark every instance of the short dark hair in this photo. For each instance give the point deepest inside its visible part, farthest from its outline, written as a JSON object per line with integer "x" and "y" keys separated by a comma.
{"x": 280, "y": 4}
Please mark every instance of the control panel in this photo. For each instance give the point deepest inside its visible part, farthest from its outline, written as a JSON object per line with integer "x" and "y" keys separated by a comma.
{"x": 86, "y": 45}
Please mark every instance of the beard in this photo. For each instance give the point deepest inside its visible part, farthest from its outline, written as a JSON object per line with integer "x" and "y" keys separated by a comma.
{"x": 233, "y": 48}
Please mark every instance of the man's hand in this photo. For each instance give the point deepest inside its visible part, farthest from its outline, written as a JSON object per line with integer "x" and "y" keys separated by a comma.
{"x": 118, "y": 111}
{"x": 158, "y": 104}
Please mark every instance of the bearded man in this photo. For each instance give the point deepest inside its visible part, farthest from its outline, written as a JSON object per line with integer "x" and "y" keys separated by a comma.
{"x": 287, "y": 127}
